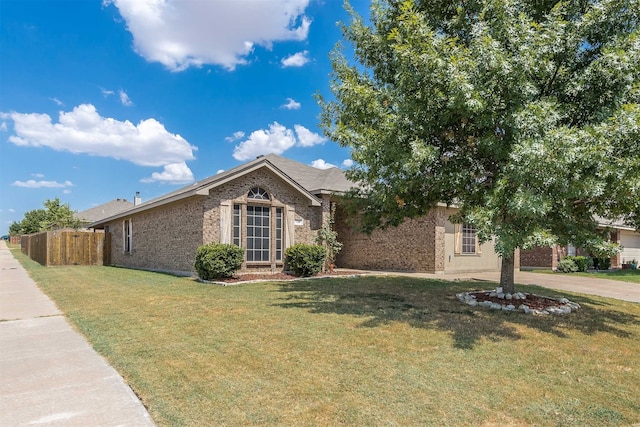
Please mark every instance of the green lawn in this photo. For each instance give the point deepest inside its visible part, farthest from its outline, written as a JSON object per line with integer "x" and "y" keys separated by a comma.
{"x": 632, "y": 276}
{"x": 361, "y": 351}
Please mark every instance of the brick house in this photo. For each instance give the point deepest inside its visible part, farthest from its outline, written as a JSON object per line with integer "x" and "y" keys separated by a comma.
{"x": 271, "y": 203}
{"x": 620, "y": 233}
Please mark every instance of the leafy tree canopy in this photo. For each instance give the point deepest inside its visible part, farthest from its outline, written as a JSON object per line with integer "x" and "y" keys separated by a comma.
{"x": 525, "y": 114}
{"x": 54, "y": 216}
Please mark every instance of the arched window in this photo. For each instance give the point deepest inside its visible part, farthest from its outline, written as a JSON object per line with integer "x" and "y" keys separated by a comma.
{"x": 257, "y": 193}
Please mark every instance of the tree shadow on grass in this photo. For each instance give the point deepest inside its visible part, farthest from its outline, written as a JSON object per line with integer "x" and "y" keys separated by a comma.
{"x": 432, "y": 304}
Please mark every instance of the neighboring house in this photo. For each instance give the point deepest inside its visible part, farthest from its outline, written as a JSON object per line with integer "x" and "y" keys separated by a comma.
{"x": 105, "y": 210}
{"x": 620, "y": 233}
{"x": 271, "y": 203}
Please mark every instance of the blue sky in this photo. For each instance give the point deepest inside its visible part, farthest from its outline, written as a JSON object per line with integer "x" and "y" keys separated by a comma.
{"x": 99, "y": 100}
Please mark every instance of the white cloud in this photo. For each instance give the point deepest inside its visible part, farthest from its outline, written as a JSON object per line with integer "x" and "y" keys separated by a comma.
{"x": 291, "y": 104}
{"x": 175, "y": 173}
{"x": 124, "y": 98}
{"x": 307, "y": 138}
{"x": 42, "y": 184}
{"x": 296, "y": 60}
{"x": 57, "y": 101}
{"x": 180, "y": 34}
{"x": 277, "y": 139}
{"x": 106, "y": 92}
{"x": 347, "y": 163}
{"x": 66, "y": 191}
{"x": 321, "y": 164}
{"x": 236, "y": 136}
{"x": 37, "y": 175}
{"x": 12, "y": 210}
{"x": 3, "y": 127}
{"x": 84, "y": 131}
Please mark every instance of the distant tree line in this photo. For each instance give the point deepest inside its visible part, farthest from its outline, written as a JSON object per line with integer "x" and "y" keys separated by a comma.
{"x": 55, "y": 215}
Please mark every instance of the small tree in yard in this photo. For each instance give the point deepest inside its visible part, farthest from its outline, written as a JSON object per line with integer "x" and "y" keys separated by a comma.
{"x": 525, "y": 115}
{"x": 328, "y": 238}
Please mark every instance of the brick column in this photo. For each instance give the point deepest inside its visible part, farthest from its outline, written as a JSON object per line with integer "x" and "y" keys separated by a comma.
{"x": 616, "y": 261}
{"x": 439, "y": 240}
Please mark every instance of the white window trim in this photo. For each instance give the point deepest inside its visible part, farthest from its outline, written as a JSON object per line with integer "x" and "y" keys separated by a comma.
{"x": 127, "y": 229}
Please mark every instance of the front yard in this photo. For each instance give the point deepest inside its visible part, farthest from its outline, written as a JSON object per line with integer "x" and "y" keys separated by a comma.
{"x": 351, "y": 351}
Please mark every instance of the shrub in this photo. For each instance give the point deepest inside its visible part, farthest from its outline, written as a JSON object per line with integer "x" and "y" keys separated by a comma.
{"x": 305, "y": 260}
{"x": 602, "y": 263}
{"x": 582, "y": 262}
{"x": 567, "y": 265}
{"x": 218, "y": 260}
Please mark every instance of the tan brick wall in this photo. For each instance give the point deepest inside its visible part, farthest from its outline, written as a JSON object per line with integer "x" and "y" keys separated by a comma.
{"x": 166, "y": 238}
{"x": 408, "y": 247}
{"x": 425, "y": 244}
{"x": 282, "y": 195}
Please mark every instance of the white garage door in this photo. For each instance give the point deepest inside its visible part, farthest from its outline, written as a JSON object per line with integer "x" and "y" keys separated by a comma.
{"x": 630, "y": 242}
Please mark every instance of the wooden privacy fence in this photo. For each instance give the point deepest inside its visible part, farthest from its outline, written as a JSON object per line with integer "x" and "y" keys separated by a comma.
{"x": 68, "y": 247}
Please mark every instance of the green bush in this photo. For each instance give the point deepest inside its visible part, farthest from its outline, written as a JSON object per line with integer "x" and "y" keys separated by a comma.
{"x": 582, "y": 262}
{"x": 567, "y": 265}
{"x": 218, "y": 260}
{"x": 305, "y": 260}
{"x": 601, "y": 263}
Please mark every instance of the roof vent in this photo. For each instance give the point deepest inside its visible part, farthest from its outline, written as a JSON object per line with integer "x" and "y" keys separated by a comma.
{"x": 261, "y": 155}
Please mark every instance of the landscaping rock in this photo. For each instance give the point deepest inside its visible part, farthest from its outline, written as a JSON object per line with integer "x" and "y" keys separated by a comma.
{"x": 537, "y": 305}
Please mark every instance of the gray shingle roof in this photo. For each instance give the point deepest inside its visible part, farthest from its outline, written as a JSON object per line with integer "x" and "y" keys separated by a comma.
{"x": 104, "y": 211}
{"x": 316, "y": 181}
{"x": 306, "y": 179}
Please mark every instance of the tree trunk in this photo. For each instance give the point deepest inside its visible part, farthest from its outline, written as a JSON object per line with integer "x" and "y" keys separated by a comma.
{"x": 507, "y": 273}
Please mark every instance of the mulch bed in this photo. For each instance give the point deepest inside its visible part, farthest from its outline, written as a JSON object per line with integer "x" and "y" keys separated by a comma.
{"x": 277, "y": 277}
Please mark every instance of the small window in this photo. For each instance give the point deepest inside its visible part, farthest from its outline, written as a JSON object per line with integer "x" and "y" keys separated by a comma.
{"x": 468, "y": 239}
{"x": 127, "y": 236}
{"x": 278, "y": 234}
{"x": 236, "y": 225}
{"x": 258, "y": 193}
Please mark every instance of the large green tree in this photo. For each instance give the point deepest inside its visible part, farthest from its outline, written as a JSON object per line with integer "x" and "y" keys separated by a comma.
{"x": 54, "y": 216}
{"x": 525, "y": 114}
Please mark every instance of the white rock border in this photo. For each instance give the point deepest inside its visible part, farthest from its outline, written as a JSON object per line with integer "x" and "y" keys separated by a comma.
{"x": 564, "y": 306}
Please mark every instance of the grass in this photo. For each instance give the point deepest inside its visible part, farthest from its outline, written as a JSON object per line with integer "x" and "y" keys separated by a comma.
{"x": 359, "y": 351}
{"x": 631, "y": 276}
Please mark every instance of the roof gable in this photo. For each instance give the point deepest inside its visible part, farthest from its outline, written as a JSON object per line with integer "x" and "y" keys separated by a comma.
{"x": 272, "y": 162}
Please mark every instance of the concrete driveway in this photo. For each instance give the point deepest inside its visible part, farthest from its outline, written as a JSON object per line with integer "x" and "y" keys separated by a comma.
{"x": 584, "y": 285}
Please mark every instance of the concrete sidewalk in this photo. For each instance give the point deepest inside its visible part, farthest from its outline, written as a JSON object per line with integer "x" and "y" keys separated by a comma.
{"x": 49, "y": 374}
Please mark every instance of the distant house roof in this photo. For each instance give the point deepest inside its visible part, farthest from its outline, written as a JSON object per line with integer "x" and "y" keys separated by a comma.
{"x": 307, "y": 180}
{"x": 615, "y": 223}
{"x": 103, "y": 211}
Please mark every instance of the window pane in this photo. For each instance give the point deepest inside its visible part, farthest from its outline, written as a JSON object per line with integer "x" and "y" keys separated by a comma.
{"x": 468, "y": 239}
